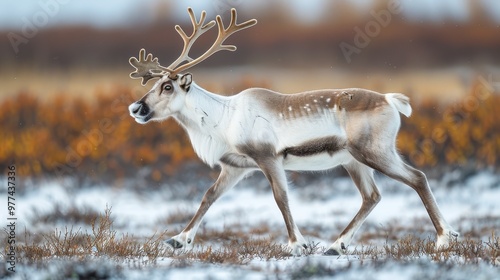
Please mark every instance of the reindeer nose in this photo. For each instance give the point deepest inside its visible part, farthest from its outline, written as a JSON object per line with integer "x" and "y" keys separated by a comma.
{"x": 135, "y": 109}
{"x": 139, "y": 108}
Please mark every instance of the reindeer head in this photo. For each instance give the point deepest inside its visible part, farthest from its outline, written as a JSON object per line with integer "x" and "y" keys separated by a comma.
{"x": 167, "y": 95}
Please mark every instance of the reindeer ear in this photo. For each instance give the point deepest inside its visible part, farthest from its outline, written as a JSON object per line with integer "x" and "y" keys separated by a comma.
{"x": 185, "y": 81}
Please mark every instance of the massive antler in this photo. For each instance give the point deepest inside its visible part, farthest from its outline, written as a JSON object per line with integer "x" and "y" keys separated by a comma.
{"x": 148, "y": 67}
{"x": 224, "y": 33}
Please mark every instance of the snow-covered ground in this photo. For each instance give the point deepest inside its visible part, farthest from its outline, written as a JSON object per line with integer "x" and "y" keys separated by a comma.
{"x": 328, "y": 204}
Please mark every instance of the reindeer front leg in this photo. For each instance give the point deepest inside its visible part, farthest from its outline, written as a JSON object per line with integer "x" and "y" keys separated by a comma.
{"x": 228, "y": 177}
{"x": 276, "y": 175}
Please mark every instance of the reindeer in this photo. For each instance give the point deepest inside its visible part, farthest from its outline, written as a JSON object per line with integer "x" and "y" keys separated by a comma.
{"x": 260, "y": 129}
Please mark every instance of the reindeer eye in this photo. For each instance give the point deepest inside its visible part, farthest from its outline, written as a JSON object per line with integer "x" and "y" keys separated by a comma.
{"x": 167, "y": 87}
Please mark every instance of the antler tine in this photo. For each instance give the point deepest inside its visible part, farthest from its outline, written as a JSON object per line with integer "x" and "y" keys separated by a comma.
{"x": 146, "y": 67}
{"x": 224, "y": 33}
{"x": 233, "y": 27}
{"x": 198, "y": 30}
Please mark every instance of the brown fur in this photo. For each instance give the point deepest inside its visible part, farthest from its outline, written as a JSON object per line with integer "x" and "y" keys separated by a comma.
{"x": 315, "y": 102}
{"x": 329, "y": 145}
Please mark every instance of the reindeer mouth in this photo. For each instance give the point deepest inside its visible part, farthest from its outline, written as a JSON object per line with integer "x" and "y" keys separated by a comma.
{"x": 144, "y": 119}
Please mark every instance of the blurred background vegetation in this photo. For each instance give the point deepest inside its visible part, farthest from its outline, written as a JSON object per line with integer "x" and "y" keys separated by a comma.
{"x": 65, "y": 86}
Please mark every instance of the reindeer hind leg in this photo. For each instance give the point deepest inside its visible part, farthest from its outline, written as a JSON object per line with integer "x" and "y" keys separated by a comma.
{"x": 390, "y": 163}
{"x": 362, "y": 176}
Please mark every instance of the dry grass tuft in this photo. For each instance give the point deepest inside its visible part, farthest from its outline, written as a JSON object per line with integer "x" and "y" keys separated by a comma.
{"x": 234, "y": 252}
{"x": 467, "y": 251}
{"x": 102, "y": 241}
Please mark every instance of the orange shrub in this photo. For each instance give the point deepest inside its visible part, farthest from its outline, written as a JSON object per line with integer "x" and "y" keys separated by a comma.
{"x": 467, "y": 132}
{"x": 70, "y": 136}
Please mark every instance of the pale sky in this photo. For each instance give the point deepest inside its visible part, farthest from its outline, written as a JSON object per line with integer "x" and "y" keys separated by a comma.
{"x": 110, "y": 13}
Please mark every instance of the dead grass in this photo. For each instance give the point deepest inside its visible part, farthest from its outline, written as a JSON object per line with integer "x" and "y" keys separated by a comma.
{"x": 464, "y": 252}
{"x": 101, "y": 240}
{"x": 233, "y": 245}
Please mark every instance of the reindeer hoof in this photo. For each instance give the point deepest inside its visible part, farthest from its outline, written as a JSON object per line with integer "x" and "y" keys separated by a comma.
{"x": 331, "y": 252}
{"x": 443, "y": 241}
{"x": 174, "y": 243}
